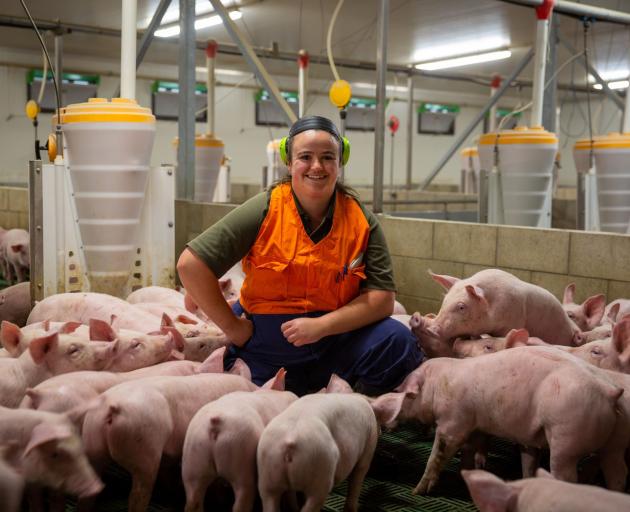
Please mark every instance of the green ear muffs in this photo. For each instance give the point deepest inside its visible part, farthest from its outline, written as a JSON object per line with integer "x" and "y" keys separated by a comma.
{"x": 345, "y": 151}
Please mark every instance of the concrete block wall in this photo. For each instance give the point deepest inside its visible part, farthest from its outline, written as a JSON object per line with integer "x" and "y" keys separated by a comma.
{"x": 551, "y": 258}
{"x": 13, "y": 208}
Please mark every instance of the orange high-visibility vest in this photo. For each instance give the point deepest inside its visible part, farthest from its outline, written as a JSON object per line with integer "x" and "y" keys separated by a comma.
{"x": 285, "y": 272}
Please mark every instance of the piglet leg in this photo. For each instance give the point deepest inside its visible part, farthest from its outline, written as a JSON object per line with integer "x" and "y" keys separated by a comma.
{"x": 445, "y": 446}
{"x": 355, "y": 480}
{"x": 530, "y": 460}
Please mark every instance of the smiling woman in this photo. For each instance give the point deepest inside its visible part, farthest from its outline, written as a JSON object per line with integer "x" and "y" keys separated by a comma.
{"x": 318, "y": 288}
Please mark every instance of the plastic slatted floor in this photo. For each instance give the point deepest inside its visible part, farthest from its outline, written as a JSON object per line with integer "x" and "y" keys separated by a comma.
{"x": 397, "y": 467}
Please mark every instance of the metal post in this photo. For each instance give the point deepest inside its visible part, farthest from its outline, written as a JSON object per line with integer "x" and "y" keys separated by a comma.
{"x": 186, "y": 120}
{"x": 409, "y": 130}
{"x": 250, "y": 56}
{"x": 482, "y": 206}
{"x": 492, "y": 116}
{"x": 211, "y": 53}
{"x": 302, "y": 81}
{"x": 35, "y": 219}
{"x": 147, "y": 36}
{"x": 542, "y": 32}
{"x": 379, "y": 132}
{"x": 471, "y": 126}
{"x": 580, "y": 204}
{"x": 59, "y": 73}
{"x": 128, "y": 49}
{"x": 550, "y": 94}
{"x": 626, "y": 114}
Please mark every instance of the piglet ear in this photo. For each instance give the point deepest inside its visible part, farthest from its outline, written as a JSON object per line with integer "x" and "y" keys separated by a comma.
{"x": 47, "y": 433}
{"x": 69, "y": 327}
{"x": 490, "y": 493}
{"x": 277, "y": 382}
{"x": 516, "y": 338}
{"x": 541, "y": 473}
{"x": 178, "y": 339}
{"x": 569, "y": 294}
{"x": 613, "y": 312}
{"x": 35, "y": 396}
{"x": 166, "y": 321}
{"x": 241, "y": 369}
{"x": 594, "y": 310}
{"x": 10, "y": 335}
{"x": 443, "y": 280}
{"x": 476, "y": 292}
{"x": 101, "y": 331}
{"x": 387, "y": 407}
{"x": 337, "y": 385}
{"x": 621, "y": 339}
{"x": 40, "y": 347}
{"x": 17, "y": 247}
{"x": 214, "y": 362}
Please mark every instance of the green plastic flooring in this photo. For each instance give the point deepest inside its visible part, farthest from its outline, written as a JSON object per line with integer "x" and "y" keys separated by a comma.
{"x": 398, "y": 464}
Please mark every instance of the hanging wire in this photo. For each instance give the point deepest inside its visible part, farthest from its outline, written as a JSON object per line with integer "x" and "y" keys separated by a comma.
{"x": 588, "y": 95}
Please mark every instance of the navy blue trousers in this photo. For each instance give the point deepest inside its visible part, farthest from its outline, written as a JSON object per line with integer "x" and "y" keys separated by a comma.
{"x": 374, "y": 359}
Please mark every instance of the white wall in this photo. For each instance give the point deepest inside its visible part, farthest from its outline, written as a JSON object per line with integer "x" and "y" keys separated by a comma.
{"x": 235, "y": 124}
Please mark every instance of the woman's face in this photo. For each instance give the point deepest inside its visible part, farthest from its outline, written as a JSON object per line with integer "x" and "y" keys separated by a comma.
{"x": 314, "y": 165}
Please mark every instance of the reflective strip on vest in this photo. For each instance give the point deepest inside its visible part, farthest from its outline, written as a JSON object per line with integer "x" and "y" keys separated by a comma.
{"x": 285, "y": 272}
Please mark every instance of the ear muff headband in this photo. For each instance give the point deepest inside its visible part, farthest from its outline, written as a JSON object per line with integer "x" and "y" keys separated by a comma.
{"x": 345, "y": 150}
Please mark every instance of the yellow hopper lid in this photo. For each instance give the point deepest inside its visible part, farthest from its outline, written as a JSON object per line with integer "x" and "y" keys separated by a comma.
{"x": 101, "y": 110}
{"x": 205, "y": 140}
{"x": 472, "y": 151}
{"x": 519, "y": 135}
{"x": 613, "y": 140}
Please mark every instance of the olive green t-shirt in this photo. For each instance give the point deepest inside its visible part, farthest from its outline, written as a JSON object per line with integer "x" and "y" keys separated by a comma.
{"x": 228, "y": 240}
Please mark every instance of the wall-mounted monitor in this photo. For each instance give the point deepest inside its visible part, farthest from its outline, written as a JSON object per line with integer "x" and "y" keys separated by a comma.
{"x": 75, "y": 88}
{"x": 361, "y": 114}
{"x": 437, "y": 118}
{"x": 268, "y": 113}
{"x": 165, "y": 101}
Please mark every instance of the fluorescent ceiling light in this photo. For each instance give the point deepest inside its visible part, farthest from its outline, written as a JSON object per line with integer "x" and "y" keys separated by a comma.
{"x": 365, "y": 85}
{"x": 469, "y": 47}
{"x": 615, "y": 74}
{"x": 465, "y": 61}
{"x": 620, "y": 84}
{"x": 209, "y": 21}
{"x": 222, "y": 71}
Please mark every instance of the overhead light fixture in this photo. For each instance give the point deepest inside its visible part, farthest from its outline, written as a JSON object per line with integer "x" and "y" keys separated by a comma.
{"x": 464, "y": 61}
{"x": 222, "y": 71}
{"x": 472, "y": 46}
{"x": 611, "y": 75}
{"x": 366, "y": 85}
{"x": 206, "y": 22}
{"x": 619, "y": 84}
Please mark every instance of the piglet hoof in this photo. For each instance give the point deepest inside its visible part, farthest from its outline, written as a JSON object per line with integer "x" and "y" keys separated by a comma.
{"x": 424, "y": 486}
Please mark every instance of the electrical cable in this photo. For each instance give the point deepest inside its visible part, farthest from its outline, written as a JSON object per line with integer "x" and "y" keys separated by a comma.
{"x": 329, "y": 40}
{"x": 43, "y": 84}
{"x": 52, "y": 70}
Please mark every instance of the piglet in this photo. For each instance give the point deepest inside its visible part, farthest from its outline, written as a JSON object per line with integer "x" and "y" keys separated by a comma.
{"x": 231, "y": 283}
{"x": 15, "y": 303}
{"x": 50, "y": 451}
{"x": 11, "y": 482}
{"x": 491, "y": 302}
{"x": 15, "y": 340}
{"x": 221, "y": 441}
{"x": 332, "y": 436}
{"x": 536, "y": 396}
{"x": 198, "y": 340}
{"x": 49, "y": 355}
{"x": 140, "y": 421}
{"x": 587, "y": 315}
{"x": 542, "y": 494}
{"x": 15, "y": 248}
{"x": 616, "y": 310}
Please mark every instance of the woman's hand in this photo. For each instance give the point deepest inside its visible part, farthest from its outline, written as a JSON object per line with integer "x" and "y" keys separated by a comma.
{"x": 240, "y": 331}
{"x": 302, "y": 331}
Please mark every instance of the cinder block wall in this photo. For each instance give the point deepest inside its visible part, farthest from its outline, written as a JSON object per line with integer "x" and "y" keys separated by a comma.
{"x": 596, "y": 262}
{"x": 13, "y": 208}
